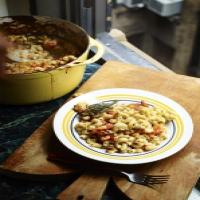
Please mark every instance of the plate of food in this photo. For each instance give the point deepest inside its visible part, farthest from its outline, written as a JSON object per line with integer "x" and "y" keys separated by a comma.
{"x": 123, "y": 126}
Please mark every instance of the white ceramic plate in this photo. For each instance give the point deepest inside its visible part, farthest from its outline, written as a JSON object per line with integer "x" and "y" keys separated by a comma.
{"x": 179, "y": 131}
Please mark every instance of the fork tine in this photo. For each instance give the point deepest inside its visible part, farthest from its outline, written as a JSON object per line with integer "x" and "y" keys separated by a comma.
{"x": 149, "y": 178}
{"x": 157, "y": 179}
{"x": 156, "y": 182}
{"x": 148, "y": 184}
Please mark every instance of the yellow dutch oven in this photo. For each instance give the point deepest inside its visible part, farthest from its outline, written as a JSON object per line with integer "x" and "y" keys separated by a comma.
{"x": 18, "y": 89}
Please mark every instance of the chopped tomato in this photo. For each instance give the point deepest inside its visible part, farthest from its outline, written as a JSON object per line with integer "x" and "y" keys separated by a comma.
{"x": 127, "y": 132}
{"x": 157, "y": 129}
{"x": 139, "y": 130}
{"x": 103, "y": 128}
{"x": 105, "y": 138}
{"x": 98, "y": 132}
{"x": 49, "y": 44}
{"x": 137, "y": 106}
{"x": 112, "y": 138}
{"x": 109, "y": 126}
{"x": 111, "y": 112}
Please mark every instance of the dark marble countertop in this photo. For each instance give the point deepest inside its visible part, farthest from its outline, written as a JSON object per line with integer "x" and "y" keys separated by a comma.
{"x": 18, "y": 122}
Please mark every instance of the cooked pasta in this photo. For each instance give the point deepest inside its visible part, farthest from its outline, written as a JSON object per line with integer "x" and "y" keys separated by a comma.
{"x": 123, "y": 128}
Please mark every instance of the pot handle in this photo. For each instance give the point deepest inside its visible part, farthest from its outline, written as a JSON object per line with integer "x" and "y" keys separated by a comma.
{"x": 98, "y": 54}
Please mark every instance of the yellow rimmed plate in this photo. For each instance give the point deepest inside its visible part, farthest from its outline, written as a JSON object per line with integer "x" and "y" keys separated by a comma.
{"x": 179, "y": 131}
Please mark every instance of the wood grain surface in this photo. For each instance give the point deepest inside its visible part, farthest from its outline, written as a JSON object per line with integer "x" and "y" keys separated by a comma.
{"x": 86, "y": 187}
{"x": 183, "y": 167}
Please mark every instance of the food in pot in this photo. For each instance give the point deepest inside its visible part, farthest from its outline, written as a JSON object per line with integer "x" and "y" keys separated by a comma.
{"x": 34, "y": 53}
{"x": 122, "y": 128}
{"x": 4, "y": 44}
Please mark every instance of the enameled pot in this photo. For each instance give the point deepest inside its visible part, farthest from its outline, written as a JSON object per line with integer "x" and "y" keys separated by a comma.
{"x": 19, "y": 89}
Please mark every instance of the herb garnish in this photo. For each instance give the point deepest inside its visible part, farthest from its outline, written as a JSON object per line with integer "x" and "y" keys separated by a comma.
{"x": 99, "y": 107}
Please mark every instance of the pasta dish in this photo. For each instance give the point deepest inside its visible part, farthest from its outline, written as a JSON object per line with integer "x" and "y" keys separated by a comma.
{"x": 121, "y": 127}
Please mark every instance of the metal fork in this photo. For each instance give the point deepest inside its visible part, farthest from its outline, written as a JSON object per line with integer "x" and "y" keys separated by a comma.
{"x": 144, "y": 179}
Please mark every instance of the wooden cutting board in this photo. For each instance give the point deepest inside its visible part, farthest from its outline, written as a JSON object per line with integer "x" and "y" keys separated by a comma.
{"x": 183, "y": 167}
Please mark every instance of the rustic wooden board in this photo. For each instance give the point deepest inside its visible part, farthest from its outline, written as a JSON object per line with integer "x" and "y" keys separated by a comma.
{"x": 83, "y": 188}
{"x": 184, "y": 167}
